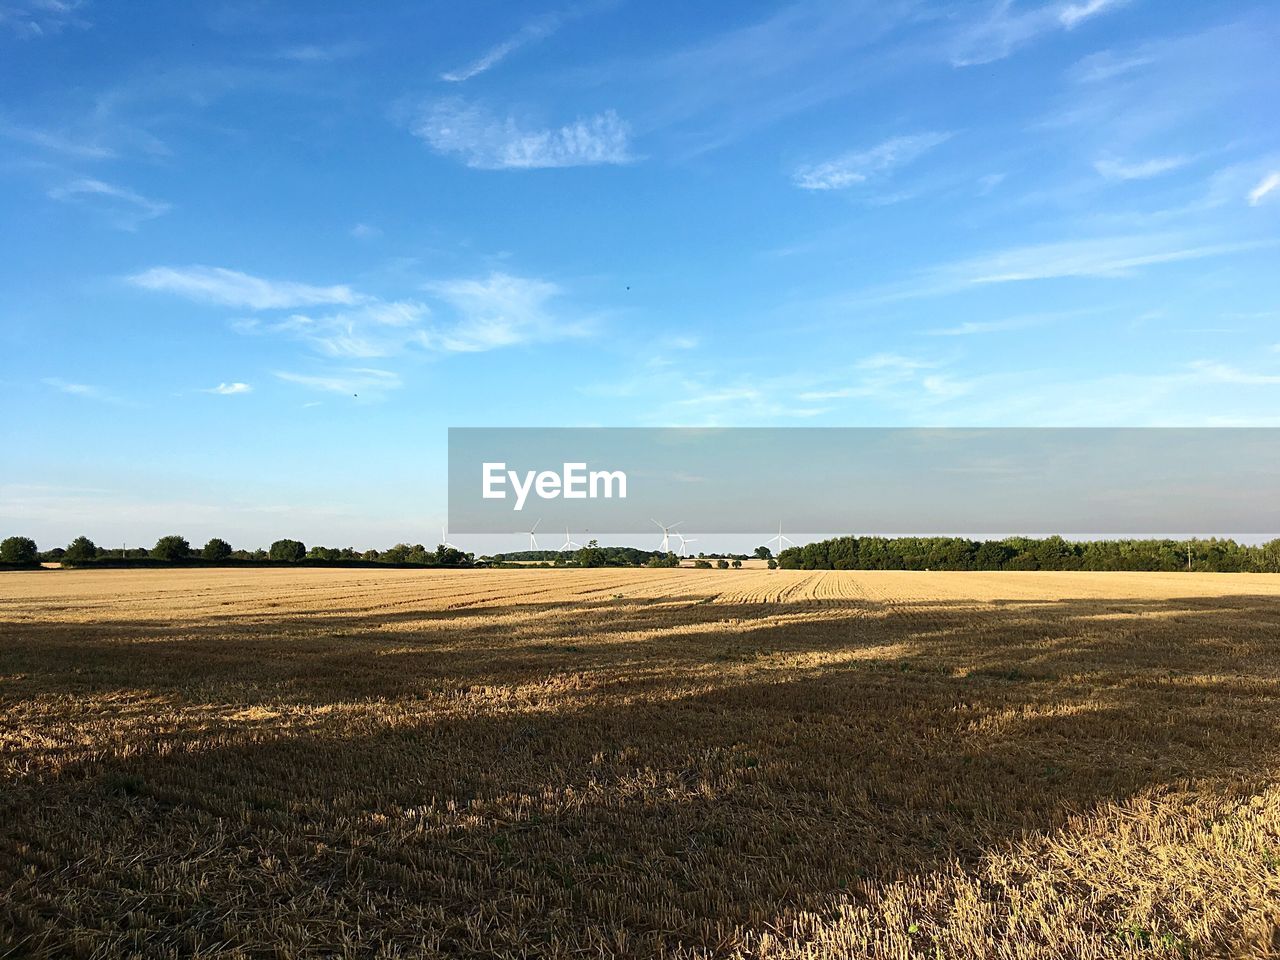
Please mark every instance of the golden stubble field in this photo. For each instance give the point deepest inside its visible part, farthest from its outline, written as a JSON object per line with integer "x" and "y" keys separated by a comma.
{"x": 608, "y": 763}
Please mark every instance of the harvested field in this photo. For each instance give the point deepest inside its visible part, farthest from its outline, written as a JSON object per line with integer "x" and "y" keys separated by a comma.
{"x": 637, "y": 763}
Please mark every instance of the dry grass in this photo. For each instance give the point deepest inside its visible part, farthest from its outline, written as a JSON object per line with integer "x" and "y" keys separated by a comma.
{"x": 638, "y": 763}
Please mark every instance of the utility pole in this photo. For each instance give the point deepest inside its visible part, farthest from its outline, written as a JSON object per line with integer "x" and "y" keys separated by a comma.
{"x": 1188, "y": 556}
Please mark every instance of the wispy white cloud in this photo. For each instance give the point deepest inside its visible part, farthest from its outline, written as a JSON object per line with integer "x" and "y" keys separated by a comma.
{"x": 895, "y": 362}
{"x": 499, "y": 311}
{"x": 229, "y": 389}
{"x": 126, "y": 208}
{"x": 485, "y": 141}
{"x": 1191, "y": 394}
{"x": 320, "y": 52}
{"x": 1113, "y": 169}
{"x": 537, "y": 29}
{"x": 230, "y": 288}
{"x": 796, "y": 57}
{"x": 365, "y": 231}
{"x": 30, "y": 19}
{"x": 1265, "y": 188}
{"x": 1142, "y": 98}
{"x": 371, "y": 381}
{"x": 1008, "y": 27}
{"x": 977, "y": 327}
{"x": 1102, "y": 257}
{"x": 861, "y": 165}
{"x": 878, "y": 376}
{"x": 1074, "y": 13}
{"x": 1212, "y": 371}
{"x": 681, "y": 342}
{"x": 86, "y": 390}
{"x": 989, "y": 182}
{"x": 374, "y": 328}
{"x": 693, "y": 402}
{"x": 1108, "y": 257}
{"x": 1096, "y": 257}
{"x": 1106, "y": 65}
{"x": 75, "y": 389}
{"x": 87, "y": 148}
{"x": 476, "y": 314}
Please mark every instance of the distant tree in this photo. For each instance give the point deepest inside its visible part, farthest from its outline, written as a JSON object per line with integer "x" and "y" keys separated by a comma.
{"x": 171, "y": 548}
{"x": 80, "y": 550}
{"x": 843, "y": 553}
{"x": 18, "y": 550}
{"x": 663, "y": 560}
{"x": 702, "y": 564}
{"x": 54, "y": 555}
{"x": 773, "y": 564}
{"x": 737, "y": 564}
{"x": 369, "y": 555}
{"x": 591, "y": 555}
{"x": 722, "y": 564}
{"x": 763, "y": 553}
{"x": 451, "y": 557}
{"x": 290, "y": 551}
{"x": 216, "y": 550}
{"x": 790, "y": 559}
{"x": 397, "y": 554}
{"x": 327, "y": 554}
{"x": 993, "y": 555}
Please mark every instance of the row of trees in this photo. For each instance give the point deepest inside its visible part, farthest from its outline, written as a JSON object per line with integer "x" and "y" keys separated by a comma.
{"x": 1026, "y": 553}
{"x": 724, "y": 564}
{"x": 840, "y": 553}
{"x": 592, "y": 555}
{"x": 22, "y": 551}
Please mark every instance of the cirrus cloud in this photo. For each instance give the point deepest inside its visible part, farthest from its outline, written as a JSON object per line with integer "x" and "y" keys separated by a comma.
{"x": 487, "y": 141}
{"x": 230, "y": 288}
{"x": 859, "y": 166}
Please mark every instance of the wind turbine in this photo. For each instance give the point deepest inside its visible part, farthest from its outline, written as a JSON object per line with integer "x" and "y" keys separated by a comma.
{"x": 780, "y": 539}
{"x": 666, "y": 534}
{"x": 533, "y": 541}
{"x": 444, "y": 538}
{"x": 684, "y": 541}
{"x": 569, "y": 542}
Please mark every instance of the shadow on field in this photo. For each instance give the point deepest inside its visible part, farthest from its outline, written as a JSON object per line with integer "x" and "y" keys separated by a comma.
{"x": 551, "y": 777}
{"x": 317, "y": 659}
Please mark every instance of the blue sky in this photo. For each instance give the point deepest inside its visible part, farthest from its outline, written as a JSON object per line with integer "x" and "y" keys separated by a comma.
{"x": 258, "y": 257}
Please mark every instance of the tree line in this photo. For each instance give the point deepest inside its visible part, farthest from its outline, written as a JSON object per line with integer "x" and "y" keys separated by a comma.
{"x": 592, "y": 555}
{"x": 173, "y": 549}
{"x": 839, "y": 553}
{"x": 1028, "y": 553}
